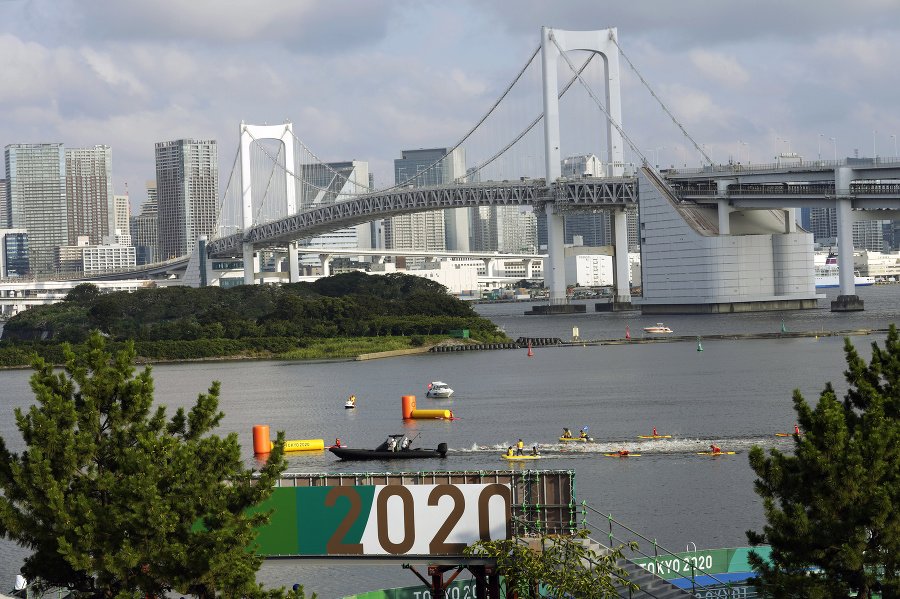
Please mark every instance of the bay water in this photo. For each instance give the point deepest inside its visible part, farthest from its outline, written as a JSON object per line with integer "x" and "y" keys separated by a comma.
{"x": 734, "y": 394}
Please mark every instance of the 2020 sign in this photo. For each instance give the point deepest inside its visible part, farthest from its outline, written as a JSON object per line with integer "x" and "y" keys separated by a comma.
{"x": 397, "y": 520}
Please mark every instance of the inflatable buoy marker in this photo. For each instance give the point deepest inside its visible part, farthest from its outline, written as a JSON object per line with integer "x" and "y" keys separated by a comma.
{"x": 782, "y": 325}
{"x": 699, "y": 347}
{"x": 627, "y": 334}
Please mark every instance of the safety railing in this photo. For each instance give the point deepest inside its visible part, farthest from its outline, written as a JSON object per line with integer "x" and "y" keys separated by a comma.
{"x": 658, "y": 551}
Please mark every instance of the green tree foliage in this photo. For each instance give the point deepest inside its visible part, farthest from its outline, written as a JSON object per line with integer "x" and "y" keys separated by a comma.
{"x": 563, "y": 566}
{"x": 114, "y": 500}
{"x": 83, "y": 294}
{"x": 187, "y": 323}
{"x": 833, "y": 508}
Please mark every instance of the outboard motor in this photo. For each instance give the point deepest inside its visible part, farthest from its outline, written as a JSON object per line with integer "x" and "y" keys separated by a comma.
{"x": 442, "y": 449}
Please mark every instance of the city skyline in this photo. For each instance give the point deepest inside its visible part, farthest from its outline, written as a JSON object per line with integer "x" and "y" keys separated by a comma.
{"x": 365, "y": 80}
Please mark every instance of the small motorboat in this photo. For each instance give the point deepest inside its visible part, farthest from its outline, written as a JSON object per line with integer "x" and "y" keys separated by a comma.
{"x": 384, "y": 451}
{"x": 350, "y": 403}
{"x": 438, "y": 389}
{"x": 659, "y": 328}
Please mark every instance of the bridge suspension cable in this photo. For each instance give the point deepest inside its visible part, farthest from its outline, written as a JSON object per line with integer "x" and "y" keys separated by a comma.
{"x": 599, "y": 104}
{"x": 533, "y": 123}
{"x": 658, "y": 99}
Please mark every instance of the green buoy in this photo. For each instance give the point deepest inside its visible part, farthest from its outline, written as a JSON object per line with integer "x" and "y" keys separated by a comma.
{"x": 782, "y": 325}
{"x": 699, "y": 347}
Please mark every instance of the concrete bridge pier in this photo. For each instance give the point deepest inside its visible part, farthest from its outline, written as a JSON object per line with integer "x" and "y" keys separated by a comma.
{"x": 293, "y": 262}
{"x": 488, "y": 266}
{"x": 621, "y": 276}
{"x": 847, "y": 301}
{"x": 249, "y": 264}
{"x": 325, "y": 260}
{"x": 529, "y": 270}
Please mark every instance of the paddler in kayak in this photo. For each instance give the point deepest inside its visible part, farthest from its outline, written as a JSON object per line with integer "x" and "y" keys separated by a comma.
{"x": 584, "y": 433}
{"x": 567, "y": 434}
{"x": 715, "y": 449}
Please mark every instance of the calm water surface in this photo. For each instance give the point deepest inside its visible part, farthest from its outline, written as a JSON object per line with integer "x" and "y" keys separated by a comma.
{"x": 734, "y": 394}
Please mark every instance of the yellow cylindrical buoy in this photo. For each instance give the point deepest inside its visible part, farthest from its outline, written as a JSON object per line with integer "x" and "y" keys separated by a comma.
{"x": 305, "y": 445}
{"x": 261, "y": 442}
{"x": 424, "y": 414}
{"x": 408, "y": 405}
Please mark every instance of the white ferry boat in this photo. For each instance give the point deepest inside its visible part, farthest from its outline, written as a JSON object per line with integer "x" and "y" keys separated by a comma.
{"x": 828, "y": 274}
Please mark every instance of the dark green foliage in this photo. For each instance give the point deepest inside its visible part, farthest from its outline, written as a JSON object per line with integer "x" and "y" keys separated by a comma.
{"x": 189, "y": 323}
{"x": 115, "y": 500}
{"x": 83, "y": 294}
{"x": 559, "y": 566}
{"x": 833, "y": 508}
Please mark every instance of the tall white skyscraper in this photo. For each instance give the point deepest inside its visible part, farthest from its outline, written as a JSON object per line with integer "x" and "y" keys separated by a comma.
{"x": 187, "y": 187}
{"x": 123, "y": 213}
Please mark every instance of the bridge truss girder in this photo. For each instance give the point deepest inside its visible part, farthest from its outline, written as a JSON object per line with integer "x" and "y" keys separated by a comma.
{"x": 583, "y": 194}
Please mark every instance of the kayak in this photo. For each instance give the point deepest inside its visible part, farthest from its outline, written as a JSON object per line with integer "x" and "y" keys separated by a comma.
{"x": 654, "y": 436}
{"x": 581, "y": 439}
{"x": 720, "y": 453}
{"x": 786, "y": 434}
{"x": 521, "y": 457}
{"x": 627, "y": 455}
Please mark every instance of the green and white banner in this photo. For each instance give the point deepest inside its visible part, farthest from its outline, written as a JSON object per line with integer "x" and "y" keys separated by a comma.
{"x": 384, "y": 519}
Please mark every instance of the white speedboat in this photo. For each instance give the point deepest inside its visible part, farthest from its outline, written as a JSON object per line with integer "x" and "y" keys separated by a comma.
{"x": 659, "y": 328}
{"x": 439, "y": 389}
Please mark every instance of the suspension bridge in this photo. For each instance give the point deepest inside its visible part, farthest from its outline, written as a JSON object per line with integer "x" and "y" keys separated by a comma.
{"x": 717, "y": 238}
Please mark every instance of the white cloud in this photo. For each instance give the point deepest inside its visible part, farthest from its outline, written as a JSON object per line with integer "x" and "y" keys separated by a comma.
{"x": 720, "y": 67}
{"x": 103, "y": 65}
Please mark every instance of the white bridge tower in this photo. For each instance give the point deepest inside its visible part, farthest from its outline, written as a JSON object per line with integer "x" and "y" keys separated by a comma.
{"x": 602, "y": 42}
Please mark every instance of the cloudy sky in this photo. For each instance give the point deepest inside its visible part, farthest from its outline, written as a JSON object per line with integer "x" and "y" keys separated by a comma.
{"x": 364, "y": 79}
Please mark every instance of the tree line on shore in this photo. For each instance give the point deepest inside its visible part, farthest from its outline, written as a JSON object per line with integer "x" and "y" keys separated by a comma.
{"x": 251, "y": 320}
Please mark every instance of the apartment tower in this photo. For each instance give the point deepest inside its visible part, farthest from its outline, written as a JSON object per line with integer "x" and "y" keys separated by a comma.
{"x": 187, "y": 188}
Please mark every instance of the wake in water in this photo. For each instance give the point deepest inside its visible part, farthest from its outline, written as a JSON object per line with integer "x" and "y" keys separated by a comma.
{"x": 673, "y": 445}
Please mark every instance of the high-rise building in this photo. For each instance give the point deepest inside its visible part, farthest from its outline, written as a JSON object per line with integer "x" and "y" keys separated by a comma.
{"x": 89, "y": 193}
{"x": 187, "y": 180}
{"x": 434, "y": 230}
{"x": 873, "y": 235}
{"x": 13, "y": 253}
{"x": 58, "y": 194}
{"x": 145, "y": 229}
{"x": 504, "y": 229}
{"x": 122, "y": 214}
{"x": 330, "y": 183}
{"x": 36, "y": 200}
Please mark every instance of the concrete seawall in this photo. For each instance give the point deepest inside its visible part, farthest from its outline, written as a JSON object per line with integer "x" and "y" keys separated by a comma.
{"x": 666, "y": 338}
{"x": 393, "y": 353}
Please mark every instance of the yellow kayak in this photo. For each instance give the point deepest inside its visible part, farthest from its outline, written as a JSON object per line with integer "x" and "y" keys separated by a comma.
{"x": 654, "y": 436}
{"x": 627, "y": 455}
{"x": 521, "y": 457}
{"x": 719, "y": 453}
